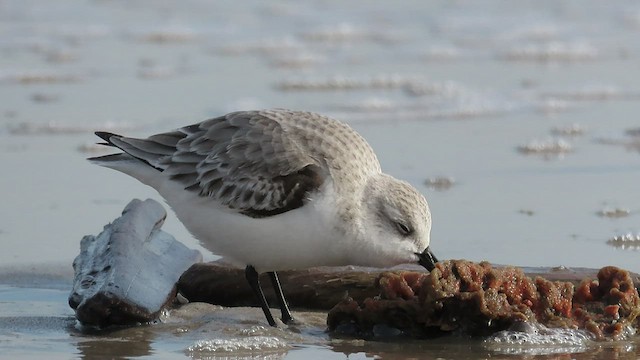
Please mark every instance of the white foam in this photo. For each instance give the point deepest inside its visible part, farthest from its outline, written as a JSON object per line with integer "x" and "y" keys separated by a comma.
{"x": 539, "y": 340}
{"x": 628, "y": 241}
{"x": 254, "y": 344}
{"x": 557, "y": 146}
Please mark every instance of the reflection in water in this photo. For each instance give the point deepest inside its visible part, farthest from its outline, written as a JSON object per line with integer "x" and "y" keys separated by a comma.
{"x": 123, "y": 343}
{"x": 447, "y": 347}
{"x": 463, "y": 348}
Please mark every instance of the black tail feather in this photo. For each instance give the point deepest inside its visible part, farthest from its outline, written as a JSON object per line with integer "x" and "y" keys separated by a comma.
{"x": 106, "y": 136}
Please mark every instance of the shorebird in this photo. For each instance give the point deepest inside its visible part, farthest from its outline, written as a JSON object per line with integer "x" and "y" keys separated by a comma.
{"x": 278, "y": 189}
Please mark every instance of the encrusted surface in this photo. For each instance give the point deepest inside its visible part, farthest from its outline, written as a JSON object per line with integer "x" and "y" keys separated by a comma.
{"x": 478, "y": 299}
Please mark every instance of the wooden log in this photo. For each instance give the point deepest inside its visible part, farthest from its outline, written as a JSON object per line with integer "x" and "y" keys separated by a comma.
{"x": 314, "y": 289}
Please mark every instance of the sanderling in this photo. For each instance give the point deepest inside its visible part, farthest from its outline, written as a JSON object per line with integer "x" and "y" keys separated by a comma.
{"x": 279, "y": 189}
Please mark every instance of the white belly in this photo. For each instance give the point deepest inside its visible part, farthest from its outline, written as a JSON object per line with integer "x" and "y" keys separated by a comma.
{"x": 297, "y": 239}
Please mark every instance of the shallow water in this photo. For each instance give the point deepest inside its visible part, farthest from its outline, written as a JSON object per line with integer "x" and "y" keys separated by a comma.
{"x": 530, "y": 109}
{"x": 45, "y": 326}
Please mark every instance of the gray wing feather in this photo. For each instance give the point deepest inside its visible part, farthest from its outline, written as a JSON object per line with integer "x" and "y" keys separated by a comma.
{"x": 245, "y": 160}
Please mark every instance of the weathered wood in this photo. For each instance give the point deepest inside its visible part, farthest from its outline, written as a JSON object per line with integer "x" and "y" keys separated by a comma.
{"x": 128, "y": 273}
{"x": 315, "y": 289}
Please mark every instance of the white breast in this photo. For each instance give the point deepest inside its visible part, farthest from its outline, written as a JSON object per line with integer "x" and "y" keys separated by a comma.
{"x": 301, "y": 238}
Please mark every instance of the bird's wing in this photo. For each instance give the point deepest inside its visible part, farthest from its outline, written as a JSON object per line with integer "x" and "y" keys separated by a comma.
{"x": 245, "y": 160}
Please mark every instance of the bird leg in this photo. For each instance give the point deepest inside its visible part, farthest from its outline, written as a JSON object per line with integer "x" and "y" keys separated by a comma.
{"x": 284, "y": 308}
{"x": 254, "y": 281}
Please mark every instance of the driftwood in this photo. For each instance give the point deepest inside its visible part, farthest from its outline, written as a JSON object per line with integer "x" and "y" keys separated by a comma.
{"x": 128, "y": 273}
{"x": 313, "y": 289}
{"x": 471, "y": 298}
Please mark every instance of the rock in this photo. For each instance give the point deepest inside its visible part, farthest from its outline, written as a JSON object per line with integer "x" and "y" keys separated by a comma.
{"x": 128, "y": 273}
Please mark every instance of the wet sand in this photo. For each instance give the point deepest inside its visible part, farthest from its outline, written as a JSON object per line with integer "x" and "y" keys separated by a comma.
{"x": 530, "y": 109}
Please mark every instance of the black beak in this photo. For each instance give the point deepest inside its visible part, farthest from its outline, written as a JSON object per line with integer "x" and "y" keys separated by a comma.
{"x": 427, "y": 259}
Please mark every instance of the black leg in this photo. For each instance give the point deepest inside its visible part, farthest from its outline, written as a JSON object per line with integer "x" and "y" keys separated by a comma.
{"x": 284, "y": 308}
{"x": 252, "y": 277}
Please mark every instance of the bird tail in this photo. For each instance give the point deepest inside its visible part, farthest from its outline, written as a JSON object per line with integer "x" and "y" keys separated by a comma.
{"x": 133, "y": 161}
{"x": 144, "y": 150}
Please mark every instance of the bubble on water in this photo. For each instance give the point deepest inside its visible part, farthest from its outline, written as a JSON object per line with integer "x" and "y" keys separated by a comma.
{"x": 614, "y": 212}
{"x": 569, "y": 130}
{"x": 256, "y": 330}
{"x": 440, "y": 182}
{"x": 548, "y": 147}
{"x": 249, "y": 345}
{"x": 345, "y": 83}
{"x": 627, "y": 241}
{"x": 539, "y": 340}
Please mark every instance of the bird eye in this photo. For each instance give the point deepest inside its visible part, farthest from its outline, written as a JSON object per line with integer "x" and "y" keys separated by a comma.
{"x": 403, "y": 228}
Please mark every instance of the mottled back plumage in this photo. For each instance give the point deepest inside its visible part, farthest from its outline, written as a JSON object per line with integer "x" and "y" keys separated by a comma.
{"x": 260, "y": 163}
